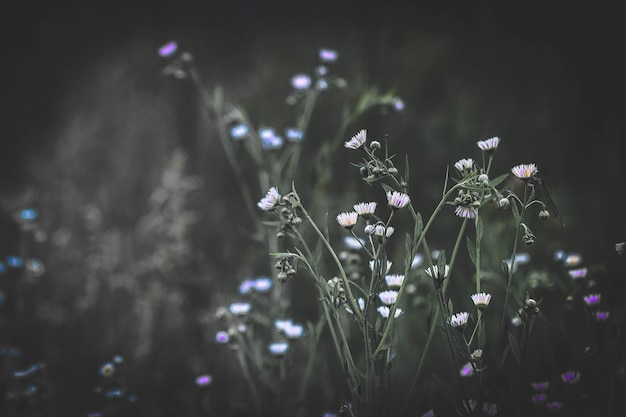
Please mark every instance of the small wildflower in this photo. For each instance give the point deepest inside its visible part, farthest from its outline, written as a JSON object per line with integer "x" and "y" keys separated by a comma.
{"x": 397, "y": 200}
{"x": 388, "y": 297}
{"x": 384, "y": 311}
{"x": 222, "y": 337}
{"x": 592, "y": 299}
{"x": 467, "y": 370}
{"x": 465, "y": 212}
{"x": 106, "y": 369}
{"x": 481, "y": 300}
{"x": 573, "y": 259}
{"x": 278, "y": 348}
{"x": 168, "y": 49}
{"x": 204, "y": 380}
{"x": 601, "y": 316}
{"x": 357, "y": 140}
{"x": 578, "y": 273}
{"x": 294, "y": 134}
{"x": 524, "y": 171}
{"x": 570, "y": 377}
{"x": 365, "y": 210}
{"x": 434, "y": 272}
{"x": 272, "y": 197}
{"x": 394, "y": 281}
{"x": 328, "y": 55}
{"x": 301, "y": 81}
{"x": 459, "y": 320}
{"x": 540, "y": 386}
{"x": 464, "y": 165}
{"x": 476, "y": 354}
{"x": 239, "y": 309}
{"x": 353, "y": 243}
{"x": 293, "y": 331}
{"x": 389, "y": 263}
{"x": 239, "y": 131}
{"x": 554, "y": 405}
{"x": 489, "y": 145}
{"x": 347, "y": 219}
{"x": 539, "y": 398}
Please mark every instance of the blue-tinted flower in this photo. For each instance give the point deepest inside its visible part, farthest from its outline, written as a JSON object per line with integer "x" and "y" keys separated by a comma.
{"x": 118, "y": 359}
{"x": 554, "y": 405}
{"x": 467, "y": 370}
{"x": 246, "y": 287}
{"x": 278, "y": 348}
{"x": 239, "y": 131}
{"x": 570, "y": 377}
{"x": 388, "y": 297}
{"x": 28, "y": 214}
{"x": 592, "y": 299}
{"x": 35, "y": 267}
{"x": 168, "y": 49}
{"x": 398, "y": 104}
{"x": 269, "y": 139}
{"x": 353, "y": 243}
{"x": 239, "y": 309}
{"x": 293, "y": 331}
{"x": 489, "y": 145}
{"x": 281, "y": 324}
{"x": 321, "y": 84}
{"x": 328, "y": 55}
{"x": 14, "y": 262}
{"x": 272, "y": 197}
{"x": 601, "y": 316}
{"x": 397, "y": 200}
{"x": 301, "y": 81}
{"x": 525, "y": 171}
{"x": 294, "y": 134}
{"x": 204, "y": 380}
{"x": 465, "y": 212}
{"x": 321, "y": 70}
{"x": 540, "y": 386}
{"x": 222, "y": 337}
{"x": 559, "y": 255}
{"x": 357, "y": 140}
{"x": 262, "y": 284}
{"x": 539, "y": 398}
{"x": 578, "y": 273}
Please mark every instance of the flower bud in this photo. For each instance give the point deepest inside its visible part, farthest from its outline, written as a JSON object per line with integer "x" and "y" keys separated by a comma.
{"x": 503, "y": 203}
{"x": 363, "y": 171}
{"x": 392, "y": 170}
{"x": 282, "y": 277}
{"x": 291, "y": 273}
{"x": 280, "y": 235}
{"x": 370, "y": 229}
{"x": 483, "y": 179}
{"x": 375, "y": 144}
{"x": 544, "y": 214}
{"x": 296, "y": 221}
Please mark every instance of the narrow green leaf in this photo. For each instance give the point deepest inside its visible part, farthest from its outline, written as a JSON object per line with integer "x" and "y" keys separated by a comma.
{"x": 515, "y": 210}
{"x": 417, "y": 230}
{"x": 482, "y": 337}
{"x": 515, "y": 348}
{"x": 386, "y": 188}
{"x": 498, "y": 180}
{"x": 441, "y": 261}
{"x": 471, "y": 250}
{"x": 450, "y": 307}
{"x": 406, "y": 170}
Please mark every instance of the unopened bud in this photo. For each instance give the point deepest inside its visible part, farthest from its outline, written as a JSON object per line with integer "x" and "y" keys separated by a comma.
{"x": 544, "y": 214}
{"x": 392, "y": 170}
{"x": 503, "y": 203}
{"x": 282, "y": 277}
{"x": 483, "y": 179}
{"x": 375, "y": 144}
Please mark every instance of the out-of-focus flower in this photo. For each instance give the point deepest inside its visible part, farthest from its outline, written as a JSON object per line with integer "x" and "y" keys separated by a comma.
{"x": 328, "y": 55}
{"x": 540, "y": 386}
{"x": 294, "y": 134}
{"x": 578, "y": 273}
{"x": 168, "y": 49}
{"x": 301, "y": 81}
{"x": 239, "y": 309}
{"x": 204, "y": 380}
{"x": 278, "y": 348}
{"x": 222, "y": 337}
{"x": 601, "y": 315}
{"x": 592, "y": 299}
{"x": 570, "y": 377}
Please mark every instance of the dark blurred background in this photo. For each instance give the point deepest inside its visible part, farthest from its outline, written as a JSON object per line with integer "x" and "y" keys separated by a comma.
{"x": 90, "y": 124}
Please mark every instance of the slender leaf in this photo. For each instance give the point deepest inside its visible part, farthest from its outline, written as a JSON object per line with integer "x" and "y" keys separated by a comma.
{"x": 516, "y": 213}
{"x": 479, "y": 228}
{"x": 515, "y": 348}
{"x": 471, "y": 250}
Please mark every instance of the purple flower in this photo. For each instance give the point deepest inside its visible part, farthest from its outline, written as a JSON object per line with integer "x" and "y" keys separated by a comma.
{"x": 357, "y": 140}
{"x": 489, "y": 145}
{"x": 570, "y": 377}
{"x": 168, "y": 49}
{"x": 397, "y": 200}
{"x": 525, "y": 171}
{"x": 465, "y": 212}
{"x": 592, "y": 299}
{"x": 301, "y": 81}
{"x": 328, "y": 55}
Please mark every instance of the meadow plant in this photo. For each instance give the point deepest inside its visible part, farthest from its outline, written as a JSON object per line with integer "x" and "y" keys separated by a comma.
{"x": 469, "y": 322}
